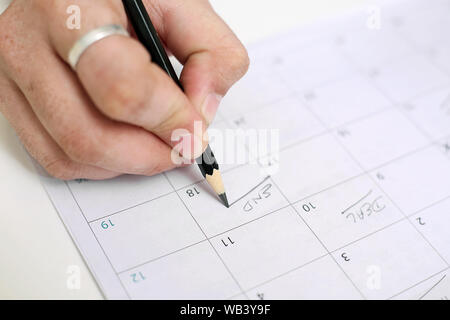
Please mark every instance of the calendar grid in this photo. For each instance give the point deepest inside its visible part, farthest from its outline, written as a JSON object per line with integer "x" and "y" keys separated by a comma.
{"x": 418, "y": 127}
{"x": 289, "y": 271}
{"x": 324, "y": 132}
{"x": 96, "y": 239}
{"x": 364, "y": 171}
{"x": 433, "y": 143}
{"x": 281, "y": 208}
{"x": 367, "y": 173}
{"x": 418, "y": 283}
{"x": 158, "y": 197}
{"x": 321, "y": 242}
{"x": 209, "y": 241}
{"x": 244, "y": 291}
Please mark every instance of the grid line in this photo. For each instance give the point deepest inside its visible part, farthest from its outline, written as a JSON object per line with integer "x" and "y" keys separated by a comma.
{"x": 327, "y": 130}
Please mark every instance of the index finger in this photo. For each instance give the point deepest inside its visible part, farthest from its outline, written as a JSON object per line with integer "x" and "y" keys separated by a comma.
{"x": 213, "y": 57}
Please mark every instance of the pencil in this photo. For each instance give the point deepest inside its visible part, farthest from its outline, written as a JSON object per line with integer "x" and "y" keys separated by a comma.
{"x": 147, "y": 35}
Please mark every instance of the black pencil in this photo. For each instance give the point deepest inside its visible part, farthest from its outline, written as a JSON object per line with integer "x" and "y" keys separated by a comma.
{"x": 147, "y": 35}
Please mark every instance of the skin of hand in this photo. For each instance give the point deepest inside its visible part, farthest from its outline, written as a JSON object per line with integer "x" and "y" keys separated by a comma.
{"x": 115, "y": 114}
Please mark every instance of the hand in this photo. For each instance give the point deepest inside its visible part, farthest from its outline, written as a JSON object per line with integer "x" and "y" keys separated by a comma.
{"x": 116, "y": 113}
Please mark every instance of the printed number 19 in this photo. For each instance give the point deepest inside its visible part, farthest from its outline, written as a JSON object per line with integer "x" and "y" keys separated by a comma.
{"x": 106, "y": 224}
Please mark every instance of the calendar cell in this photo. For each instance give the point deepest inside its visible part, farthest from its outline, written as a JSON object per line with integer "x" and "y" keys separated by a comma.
{"x": 402, "y": 83}
{"x": 371, "y": 48}
{"x": 376, "y": 140}
{"x": 436, "y": 287}
{"x": 441, "y": 56}
{"x": 312, "y": 166}
{"x": 348, "y": 212}
{"x": 229, "y": 148}
{"x": 428, "y": 33}
{"x": 100, "y": 198}
{"x": 291, "y": 120}
{"x": 193, "y": 273}
{"x": 313, "y": 66}
{"x": 383, "y": 264}
{"x": 431, "y": 112}
{"x": 260, "y": 87}
{"x": 317, "y": 280}
{"x": 434, "y": 224}
{"x": 416, "y": 181}
{"x": 146, "y": 232}
{"x": 268, "y": 247}
{"x": 185, "y": 176}
{"x": 250, "y": 194}
{"x": 346, "y": 100}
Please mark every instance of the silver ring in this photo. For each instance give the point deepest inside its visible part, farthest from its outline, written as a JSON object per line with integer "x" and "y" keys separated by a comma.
{"x": 90, "y": 38}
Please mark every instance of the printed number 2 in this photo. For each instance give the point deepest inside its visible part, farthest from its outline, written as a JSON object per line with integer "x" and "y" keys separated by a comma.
{"x": 192, "y": 192}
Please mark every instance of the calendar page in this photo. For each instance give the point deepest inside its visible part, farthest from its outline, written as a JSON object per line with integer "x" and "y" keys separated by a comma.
{"x": 355, "y": 203}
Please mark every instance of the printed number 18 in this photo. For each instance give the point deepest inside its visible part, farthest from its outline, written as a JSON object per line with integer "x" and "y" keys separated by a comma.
{"x": 192, "y": 192}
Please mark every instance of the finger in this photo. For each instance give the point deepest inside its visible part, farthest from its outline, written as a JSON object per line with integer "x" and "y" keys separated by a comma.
{"x": 213, "y": 56}
{"x": 84, "y": 134}
{"x": 127, "y": 88}
{"x": 117, "y": 75}
{"x": 38, "y": 142}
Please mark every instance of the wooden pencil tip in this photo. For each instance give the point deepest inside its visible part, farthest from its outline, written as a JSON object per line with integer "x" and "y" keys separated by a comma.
{"x": 224, "y": 199}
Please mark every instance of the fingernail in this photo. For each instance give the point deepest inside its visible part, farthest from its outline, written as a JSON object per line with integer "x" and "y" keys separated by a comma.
{"x": 210, "y": 106}
{"x": 190, "y": 147}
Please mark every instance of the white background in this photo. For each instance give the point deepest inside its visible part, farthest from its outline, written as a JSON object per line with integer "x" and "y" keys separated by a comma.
{"x": 35, "y": 248}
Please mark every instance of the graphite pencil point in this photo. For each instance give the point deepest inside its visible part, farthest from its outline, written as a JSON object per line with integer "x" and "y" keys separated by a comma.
{"x": 224, "y": 199}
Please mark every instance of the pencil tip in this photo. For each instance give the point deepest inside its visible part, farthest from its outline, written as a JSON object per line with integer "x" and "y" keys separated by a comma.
{"x": 224, "y": 199}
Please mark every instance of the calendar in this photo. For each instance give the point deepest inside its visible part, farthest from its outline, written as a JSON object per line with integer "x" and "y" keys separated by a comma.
{"x": 354, "y": 205}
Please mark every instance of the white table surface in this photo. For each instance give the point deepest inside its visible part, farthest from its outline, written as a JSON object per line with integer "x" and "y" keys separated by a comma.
{"x": 35, "y": 248}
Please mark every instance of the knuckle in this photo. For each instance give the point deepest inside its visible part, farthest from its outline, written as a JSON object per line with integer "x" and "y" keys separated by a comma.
{"x": 240, "y": 61}
{"x": 58, "y": 167}
{"x": 171, "y": 117}
{"x": 62, "y": 169}
{"x": 119, "y": 13}
{"x": 237, "y": 63}
{"x": 122, "y": 101}
{"x": 81, "y": 148}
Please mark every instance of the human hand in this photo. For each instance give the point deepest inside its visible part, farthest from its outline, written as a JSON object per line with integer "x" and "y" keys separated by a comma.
{"x": 117, "y": 112}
